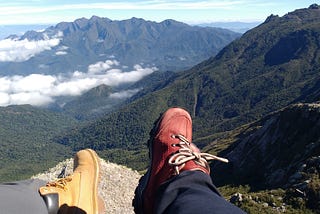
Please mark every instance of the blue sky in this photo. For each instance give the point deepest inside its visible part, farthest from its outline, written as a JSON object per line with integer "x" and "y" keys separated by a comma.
{"x": 188, "y": 11}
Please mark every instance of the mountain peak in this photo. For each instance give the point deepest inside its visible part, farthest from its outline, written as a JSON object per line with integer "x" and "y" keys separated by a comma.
{"x": 171, "y": 22}
{"x": 97, "y": 18}
{"x": 81, "y": 22}
{"x": 314, "y": 6}
{"x": 272, "y": 17}
{"x": 135, "y": 19}
{"x": 311, "y": 13}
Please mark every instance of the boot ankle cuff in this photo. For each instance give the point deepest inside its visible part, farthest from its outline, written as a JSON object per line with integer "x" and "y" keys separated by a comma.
{"x": 52, "y": 202}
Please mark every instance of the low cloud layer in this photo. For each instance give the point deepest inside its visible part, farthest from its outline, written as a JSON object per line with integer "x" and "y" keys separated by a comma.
{"x": 14, "y": 50}
{"x": 40, "y": 90}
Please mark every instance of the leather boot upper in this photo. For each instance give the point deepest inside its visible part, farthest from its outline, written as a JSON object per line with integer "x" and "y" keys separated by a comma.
{"x": 77, "y": 193}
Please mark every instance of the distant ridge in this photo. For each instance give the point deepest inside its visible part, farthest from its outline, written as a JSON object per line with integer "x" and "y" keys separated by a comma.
{"x": 240, "y": 27}
{"x": 8, "y": 30}
{"x": 168, "y": 45}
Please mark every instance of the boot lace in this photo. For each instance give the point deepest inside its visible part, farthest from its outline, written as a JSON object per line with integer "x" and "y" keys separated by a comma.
{"x": 186, "y": 153}
{"x": 60, "y": 183}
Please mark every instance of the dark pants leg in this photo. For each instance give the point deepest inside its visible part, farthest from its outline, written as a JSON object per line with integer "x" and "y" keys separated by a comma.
{"x": 22, "y": 197}
{"x": 192, "y": 192}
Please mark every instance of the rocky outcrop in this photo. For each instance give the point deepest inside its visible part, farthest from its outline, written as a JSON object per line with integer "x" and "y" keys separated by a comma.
{"x": 271, "y": 151}
{"x": 280, "y": 151}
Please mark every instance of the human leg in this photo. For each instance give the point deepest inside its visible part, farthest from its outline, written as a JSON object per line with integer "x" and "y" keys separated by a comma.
{"x": 22, "y": 197}
{"x": 77, "y": 193}
{"x": 192, "y": 192}
{"x": 172, "y": 153}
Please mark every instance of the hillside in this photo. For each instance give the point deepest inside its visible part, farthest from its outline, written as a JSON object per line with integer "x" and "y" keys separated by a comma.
{"x": 280, "y": 151}
{"x": 26, "y": 139}
{"x": 283, "y": 143}
{"x": 104, "y": 99}
{"x": 247, "y": 80}
{"x": 91, "y": 104}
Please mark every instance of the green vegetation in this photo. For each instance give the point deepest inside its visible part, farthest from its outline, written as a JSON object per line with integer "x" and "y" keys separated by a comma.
{"x": 134, "y": 159}
{"x": 25, "y": 139}
{"x": 244, "y": 82}
{"x": 278, "y": 151}
{"x": 266, "y": 201}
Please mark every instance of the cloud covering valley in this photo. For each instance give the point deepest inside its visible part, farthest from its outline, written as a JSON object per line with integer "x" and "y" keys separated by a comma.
{"x": 41, "y": 90}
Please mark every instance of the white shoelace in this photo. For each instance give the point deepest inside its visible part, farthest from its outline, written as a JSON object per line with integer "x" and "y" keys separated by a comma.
{"x": 185, "y": 154}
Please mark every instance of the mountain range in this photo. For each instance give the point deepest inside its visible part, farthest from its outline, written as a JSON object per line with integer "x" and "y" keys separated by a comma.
{"x": 72, "y": 46}
{"x": 240, "y": 27}
{"x": 255, "y": 102}
{"x": 70, "y": 58}
{"x": 7, "y": 30}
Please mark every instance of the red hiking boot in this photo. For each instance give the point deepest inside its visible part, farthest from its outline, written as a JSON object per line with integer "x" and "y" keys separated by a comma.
{"x": 171, "y": 152}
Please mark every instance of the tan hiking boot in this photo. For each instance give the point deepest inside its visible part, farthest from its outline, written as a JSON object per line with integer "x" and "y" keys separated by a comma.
{"x": 77, "y": 193}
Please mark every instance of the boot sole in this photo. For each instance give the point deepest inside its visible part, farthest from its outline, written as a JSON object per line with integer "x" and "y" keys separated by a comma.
{"x": 98, "y": 203}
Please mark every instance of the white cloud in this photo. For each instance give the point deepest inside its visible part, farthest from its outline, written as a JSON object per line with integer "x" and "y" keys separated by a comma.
{"x": 32, "y": 98}
{"x": 5, "y": 84}
{"x": 32, "y": 83}
{"x": 124, "y": 94}
{"x": 102, "y": 66}
{"x": 63, "y": 47}
{"x": 4, "y": 99}
{"x": 61, "y": 53}
{"x": 13, "y": 50}
{"x": 61, "y": 50}
{"x": 7, "y": 9}
{"x": 116, "y": 76}
{"x": 74, "y": 87}
{"x": 39, "y": 89}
